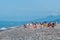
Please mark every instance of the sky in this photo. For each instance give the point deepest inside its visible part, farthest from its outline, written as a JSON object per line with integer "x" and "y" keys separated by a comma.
{"x": 26, "y": 10}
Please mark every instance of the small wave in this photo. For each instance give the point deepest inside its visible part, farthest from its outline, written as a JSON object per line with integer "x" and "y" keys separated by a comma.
{"x": 12, "y": 27}
{"x": 3, "y": 28}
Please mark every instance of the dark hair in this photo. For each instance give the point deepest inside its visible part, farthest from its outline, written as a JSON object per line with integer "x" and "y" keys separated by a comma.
{"x": 25, "y": 26}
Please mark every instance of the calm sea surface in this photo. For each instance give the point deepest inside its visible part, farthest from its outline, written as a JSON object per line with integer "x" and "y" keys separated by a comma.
{"x": 5, "y": 24}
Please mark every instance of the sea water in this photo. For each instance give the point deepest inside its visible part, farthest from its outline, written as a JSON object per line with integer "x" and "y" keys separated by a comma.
{"x": 8, "y": 24}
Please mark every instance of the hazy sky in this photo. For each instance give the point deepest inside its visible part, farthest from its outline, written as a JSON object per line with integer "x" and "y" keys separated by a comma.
{"x": 20, "y": 10}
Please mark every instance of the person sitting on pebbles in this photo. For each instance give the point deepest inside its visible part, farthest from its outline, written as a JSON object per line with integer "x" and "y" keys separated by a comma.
{"x": 25, "y": 26}
{"x": 51, "y": 25}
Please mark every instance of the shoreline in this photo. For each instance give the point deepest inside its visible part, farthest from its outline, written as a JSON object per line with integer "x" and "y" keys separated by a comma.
{"x": 5, "y": 28}
{"x": 13, "y": 27}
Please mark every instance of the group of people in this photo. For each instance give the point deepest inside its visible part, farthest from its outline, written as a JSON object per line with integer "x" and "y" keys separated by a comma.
{"x": 35, "y": 25}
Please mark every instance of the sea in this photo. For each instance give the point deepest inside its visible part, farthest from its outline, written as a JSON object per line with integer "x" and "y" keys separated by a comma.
{"x": 11, "y": 24}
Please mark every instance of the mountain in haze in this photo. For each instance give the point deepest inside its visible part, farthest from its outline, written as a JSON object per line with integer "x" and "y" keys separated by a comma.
{"x": 49, "y": 19}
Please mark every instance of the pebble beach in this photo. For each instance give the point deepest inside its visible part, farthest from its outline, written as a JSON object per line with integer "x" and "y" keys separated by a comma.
{"x": 41, "y": 33}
